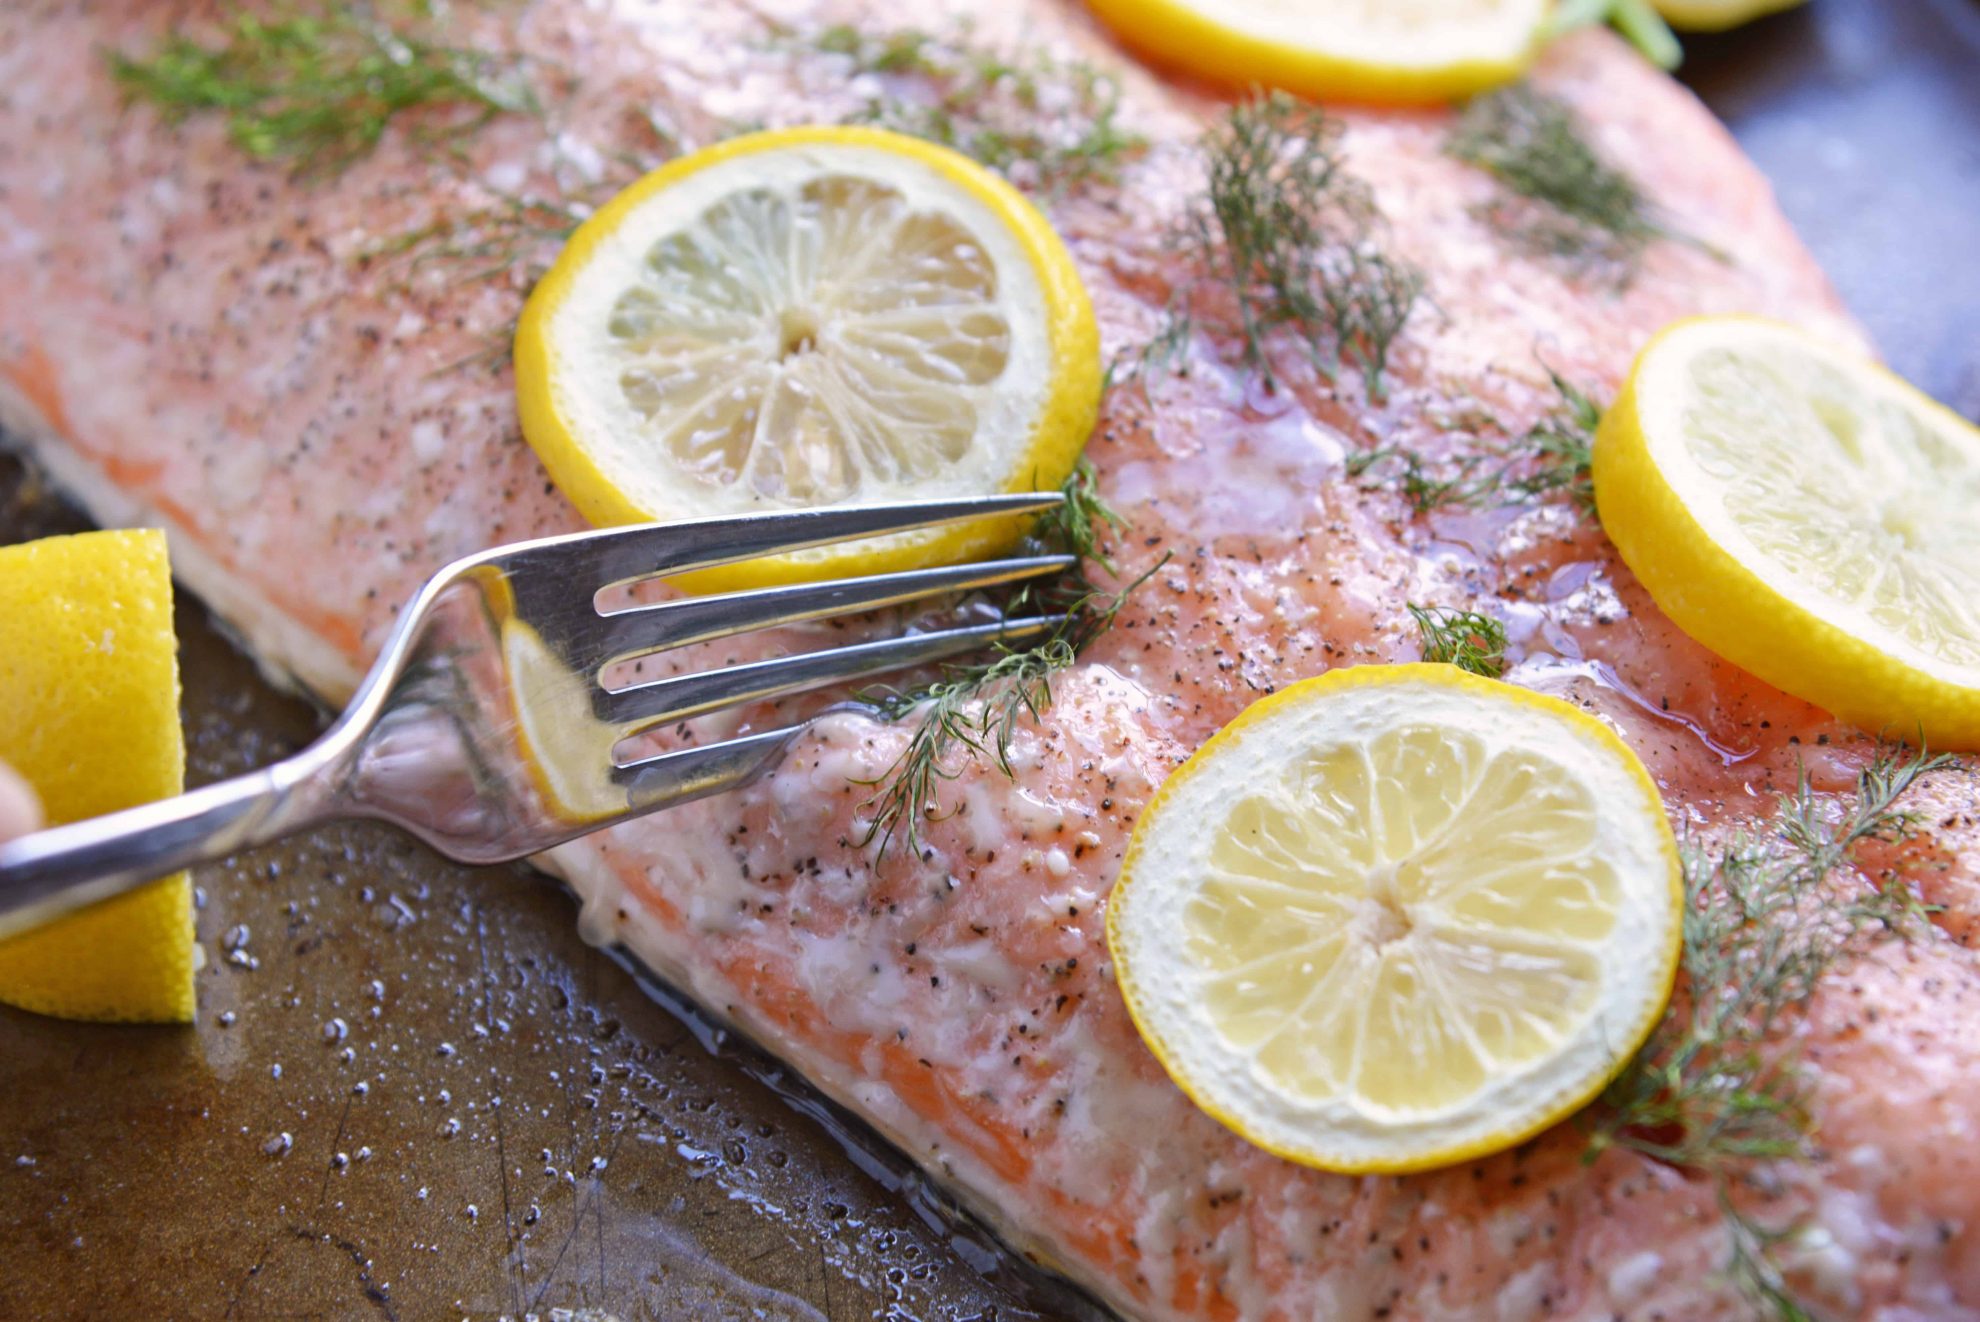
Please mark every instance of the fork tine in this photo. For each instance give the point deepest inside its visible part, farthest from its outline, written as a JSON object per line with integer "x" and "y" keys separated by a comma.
{"x": 682, "y": 697}
{"x": 609, "y": 556}
{"x": 688, "y": 620}
{"x": 666, "y": 779}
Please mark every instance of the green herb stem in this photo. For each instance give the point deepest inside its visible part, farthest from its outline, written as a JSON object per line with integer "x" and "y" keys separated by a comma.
{"x": 1283, "y": 244}
{"x": 1561, "y": 198}
{"x": 1554, "y": 456}
{"x": 318, "y": 91}
{"x": 1713, "y": 1090}
{"x": 974, "y": 711}
{"x": 1469, "y": 640}
{"x": 1048, "y": 123}
{"x": 1637, "y": 20}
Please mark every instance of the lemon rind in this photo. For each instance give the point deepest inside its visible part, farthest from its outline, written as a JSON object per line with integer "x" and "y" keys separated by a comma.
{"x": 1069, "y": 406}
{"x": 1175, "y": 33}
{"x": 1711, "y": 16}
{"x": 1617, "y": 1048}
{"x": 1702, "y": 573}
{"x": 130, "y": 959}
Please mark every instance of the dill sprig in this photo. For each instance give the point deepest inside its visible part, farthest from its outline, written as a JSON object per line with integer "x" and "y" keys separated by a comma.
{"x": 974, "y": 710}
{"x": 1559, "y": 450}
{"x": 1283, "y": 241}
{"x": 1705, "y": 1091}
{"x": 319, "y": 90}
{"x": 1713, "y": 1091}
{"x": 513, "y": 238}
{"x": 492, "y": 240}
{"x": 1555, "y": 455}
{"x": 1048, "y": 123}
{"x": 1465, "y": 639}
{"x": 1561, "y": 198}
{"x": 1427, "y": 484}
{"x": 1752, "y": 1265}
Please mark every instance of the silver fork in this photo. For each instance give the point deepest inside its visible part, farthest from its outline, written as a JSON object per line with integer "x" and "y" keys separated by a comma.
{"x": 486, "y": 728}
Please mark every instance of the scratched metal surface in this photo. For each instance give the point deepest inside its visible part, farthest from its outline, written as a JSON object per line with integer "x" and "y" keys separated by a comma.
{"x": 413, "y": 1092}
{"x": 506, "y": 1123}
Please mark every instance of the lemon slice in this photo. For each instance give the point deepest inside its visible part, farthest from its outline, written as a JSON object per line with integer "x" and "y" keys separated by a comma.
{"x": 1718, "y": 15}
{"x": 89, "y": 685}
{"x": 1399, "y": 916}
{"x": 560, "y": 731}
{"x": 807, "y": 317}
{"x": 1384, "y": 51}
{"x": 1807, "y": 516}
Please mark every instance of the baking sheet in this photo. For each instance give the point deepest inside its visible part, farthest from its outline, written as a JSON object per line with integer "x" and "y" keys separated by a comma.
{"x": 414, "y": 1093}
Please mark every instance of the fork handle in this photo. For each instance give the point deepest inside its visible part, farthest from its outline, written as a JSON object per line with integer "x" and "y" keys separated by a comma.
{"x": 55, "y": 872}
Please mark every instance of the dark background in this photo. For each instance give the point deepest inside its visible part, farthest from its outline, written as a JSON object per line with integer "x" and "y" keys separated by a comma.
{"x": 1866, "y": 115}
{"x": 136, "y": 1176}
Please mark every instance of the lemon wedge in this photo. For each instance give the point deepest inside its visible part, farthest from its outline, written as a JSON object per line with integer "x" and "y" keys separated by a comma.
{"x": 1382, "y": 51}
{"x": 1718, "y": 15}
{"x": 1807, "y": 516}
{"x": 89, "y": 682}
{"x": 806, "y": 317}
{"x": 1397, "y": 917}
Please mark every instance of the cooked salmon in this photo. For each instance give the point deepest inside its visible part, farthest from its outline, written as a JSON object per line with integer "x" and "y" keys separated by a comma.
{"x": 226, "y": 350}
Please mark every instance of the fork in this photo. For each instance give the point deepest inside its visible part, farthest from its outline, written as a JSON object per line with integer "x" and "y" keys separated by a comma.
{"x": 488, "y": 726}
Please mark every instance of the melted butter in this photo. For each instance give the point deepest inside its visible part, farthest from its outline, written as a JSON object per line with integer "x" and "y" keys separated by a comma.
{"x": 1267, "y": 479}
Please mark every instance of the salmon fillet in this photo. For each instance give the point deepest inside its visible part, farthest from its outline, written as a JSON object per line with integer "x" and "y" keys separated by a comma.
{"x": 191, "y": 341}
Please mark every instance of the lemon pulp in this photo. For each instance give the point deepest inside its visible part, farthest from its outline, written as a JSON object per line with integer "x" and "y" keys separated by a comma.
{"x": 89, "y": 681}
{"x": 1807, "y": 516}
{"x": 810, "y": 317}
{"x": 1399, "y": 916}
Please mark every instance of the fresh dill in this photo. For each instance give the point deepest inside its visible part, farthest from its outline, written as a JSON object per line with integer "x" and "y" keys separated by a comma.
{"x": 1427, "y": 485}
{"x": 493, "y": 239}
{"x": 512, "y": 239}
{"x": 1554, "y": 456}
{"x": 1466, "y": 639}
{"x": 1713, "y": 1091}
{"x": 974, "y": 710}
{"x": 1049, "y": 124}
{"x": 1283, "y": 243}
{"x": 1561, "y": 199}
{"x": 1704, "y": 1091}
{"x": 319, "y": 90}
{"x": 1559, "y": 450}
{"x": 1752, "y": 1265}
